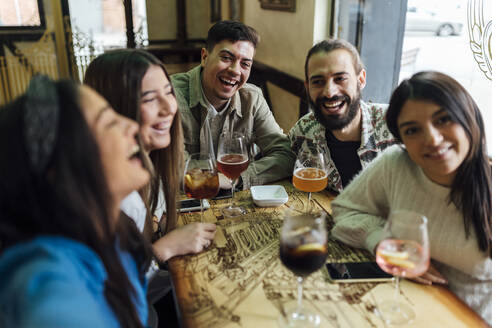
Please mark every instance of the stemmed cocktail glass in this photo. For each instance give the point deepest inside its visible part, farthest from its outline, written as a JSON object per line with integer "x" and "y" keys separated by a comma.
{"x": 404, "y": 252}
{"x": 201, "y": 179}
{"x": 232, "y": 160}
{"x": 310, "y": 173}
{"x": 303, "y": 250}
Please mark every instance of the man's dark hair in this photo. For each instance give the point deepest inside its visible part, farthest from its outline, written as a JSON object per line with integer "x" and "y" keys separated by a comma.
{"x": 334, "y": 44}
{"x": 233, "y": 31}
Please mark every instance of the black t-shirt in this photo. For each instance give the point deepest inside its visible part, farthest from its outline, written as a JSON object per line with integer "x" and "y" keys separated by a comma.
{"x": 344, "y": 155}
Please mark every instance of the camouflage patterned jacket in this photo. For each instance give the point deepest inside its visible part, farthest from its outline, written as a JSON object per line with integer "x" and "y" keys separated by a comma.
{"x": 375, "y": 137}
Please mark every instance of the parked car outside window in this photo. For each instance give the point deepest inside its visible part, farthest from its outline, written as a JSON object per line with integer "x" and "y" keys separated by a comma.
{"x": 428, "y": 21}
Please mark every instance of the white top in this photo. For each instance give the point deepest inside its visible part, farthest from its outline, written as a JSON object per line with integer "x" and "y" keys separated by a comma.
{"x": 161, "y": 203}
{"x": 133, "y": 206}
{"x": 394, "y": 182}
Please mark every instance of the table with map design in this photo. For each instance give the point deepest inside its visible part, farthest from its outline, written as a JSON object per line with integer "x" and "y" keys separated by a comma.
{"x": 239, "y": 281}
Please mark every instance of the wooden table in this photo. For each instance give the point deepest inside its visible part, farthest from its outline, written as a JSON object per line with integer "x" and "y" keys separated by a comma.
{"x": 240, "y": 281}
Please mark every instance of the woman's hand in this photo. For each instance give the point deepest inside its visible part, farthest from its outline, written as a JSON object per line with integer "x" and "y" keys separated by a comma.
{"x": 430, "y": 277}
{"x": 189, "y": 239}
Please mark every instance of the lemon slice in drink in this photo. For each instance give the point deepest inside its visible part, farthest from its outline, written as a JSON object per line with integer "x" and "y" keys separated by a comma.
{"x": 188, "y": 179}
{"x": 406, "y": 264}
{"x": 393, "y": 254}
{"x": 399, "y": 259}
{"x": 311, "y": 247}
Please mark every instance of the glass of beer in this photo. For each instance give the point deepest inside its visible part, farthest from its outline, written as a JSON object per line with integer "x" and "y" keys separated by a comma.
{"x": 303, "y": 250}
{"x": 201, "y": 179}
{"x": 310, "y": 173}
{"x": 232, "y": 160}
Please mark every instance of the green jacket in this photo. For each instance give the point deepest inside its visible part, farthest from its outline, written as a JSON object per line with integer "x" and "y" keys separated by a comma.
{"x": 247, "y": 113}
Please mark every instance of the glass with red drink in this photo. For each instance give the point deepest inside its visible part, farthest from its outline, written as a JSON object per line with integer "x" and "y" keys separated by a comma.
{"x": 201, "y": 179}
{"x": 232, "y": 160}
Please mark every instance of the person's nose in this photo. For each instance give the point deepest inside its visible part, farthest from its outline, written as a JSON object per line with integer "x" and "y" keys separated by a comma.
{"x": 235, "y": 67}
{"x": 132, "y": 127}
{"x": 168, "y": 106}
{"x": 330, "y": 89}
{"x": 433, "y": 136}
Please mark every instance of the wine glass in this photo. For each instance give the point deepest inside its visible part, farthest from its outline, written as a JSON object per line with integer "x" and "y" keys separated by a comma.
{"x": 232, "y": 160}
{"x": 303, "y": 250}
{"x": 310, "y": 173}
{"x": 404, "y": 252}
{"x": 201, "y": 179}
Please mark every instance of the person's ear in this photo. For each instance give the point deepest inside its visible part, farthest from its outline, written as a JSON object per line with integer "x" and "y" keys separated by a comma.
{"x": 204, "y": 56}
{"x": 362, "y": 79}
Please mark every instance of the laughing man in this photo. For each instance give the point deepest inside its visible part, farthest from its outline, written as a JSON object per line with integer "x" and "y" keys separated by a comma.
{"x": 217, "y": 90}
{"x": 350, "y": 131}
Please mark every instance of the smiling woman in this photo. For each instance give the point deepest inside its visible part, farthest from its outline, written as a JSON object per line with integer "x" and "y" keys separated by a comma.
{"x": 137, "y": 85}
{"x": 444, "y": 173}
{"x": 80, "y": 264}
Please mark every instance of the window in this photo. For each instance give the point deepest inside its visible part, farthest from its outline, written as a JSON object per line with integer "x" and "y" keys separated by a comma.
{"x": 21, "y": 15}
{"x": 397, "y": 38}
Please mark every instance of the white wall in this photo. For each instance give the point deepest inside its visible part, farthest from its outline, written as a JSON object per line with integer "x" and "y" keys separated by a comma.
{"x": 162, "y": 19}
{"x": 285, "y": 40}
{"x": 285, "y": 37}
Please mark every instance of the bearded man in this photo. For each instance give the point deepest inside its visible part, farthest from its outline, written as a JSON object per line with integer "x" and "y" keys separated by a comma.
{"x": 350, "y": 131}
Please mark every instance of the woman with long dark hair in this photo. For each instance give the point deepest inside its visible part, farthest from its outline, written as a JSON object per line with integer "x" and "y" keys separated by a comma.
{"x": 443, "y": 172}
{"x": 67, "y": 259}
{"x": 137, "y": 85}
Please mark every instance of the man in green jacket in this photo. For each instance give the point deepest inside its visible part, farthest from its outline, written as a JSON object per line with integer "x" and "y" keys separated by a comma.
{"x": 216, "y": 90}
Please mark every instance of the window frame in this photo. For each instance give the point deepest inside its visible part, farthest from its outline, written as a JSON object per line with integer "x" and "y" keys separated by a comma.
{"x": 379, "y": 32}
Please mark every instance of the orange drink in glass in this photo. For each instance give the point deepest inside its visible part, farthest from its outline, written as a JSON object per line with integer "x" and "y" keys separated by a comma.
{"x": 310, "y": 179}
{"x": 310, "y": 174}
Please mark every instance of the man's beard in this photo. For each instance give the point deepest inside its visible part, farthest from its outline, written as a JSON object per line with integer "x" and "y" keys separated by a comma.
{"x": 336, "y": 122}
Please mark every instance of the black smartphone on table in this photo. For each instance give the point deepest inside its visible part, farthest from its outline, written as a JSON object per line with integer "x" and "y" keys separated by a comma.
{"x": 192, "y": 205}
{"x": 357, "y": 272}
{"x": 223, "y": 193}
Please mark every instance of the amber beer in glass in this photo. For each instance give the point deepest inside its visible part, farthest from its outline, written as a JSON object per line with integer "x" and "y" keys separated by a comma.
{"x": 310, "y": 174}
{"x": 232, "y": 160}
{"x": 310, "y": 179}
{"x": 232, "y": 165}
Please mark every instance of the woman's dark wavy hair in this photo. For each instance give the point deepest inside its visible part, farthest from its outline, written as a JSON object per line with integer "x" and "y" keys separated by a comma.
{"x": 117, "y": 75}
{"x": 70, "y": 198}
{"x": 471, "y": 190}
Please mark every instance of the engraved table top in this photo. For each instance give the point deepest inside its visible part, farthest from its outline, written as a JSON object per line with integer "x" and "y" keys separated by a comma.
{"x": 239, "y": 281}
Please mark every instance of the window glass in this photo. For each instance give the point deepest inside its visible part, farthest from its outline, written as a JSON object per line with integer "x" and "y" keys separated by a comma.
{"x": 20, "y": 13}
{"x": 451, "y": 37}
{"x": 100, "y": 25}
